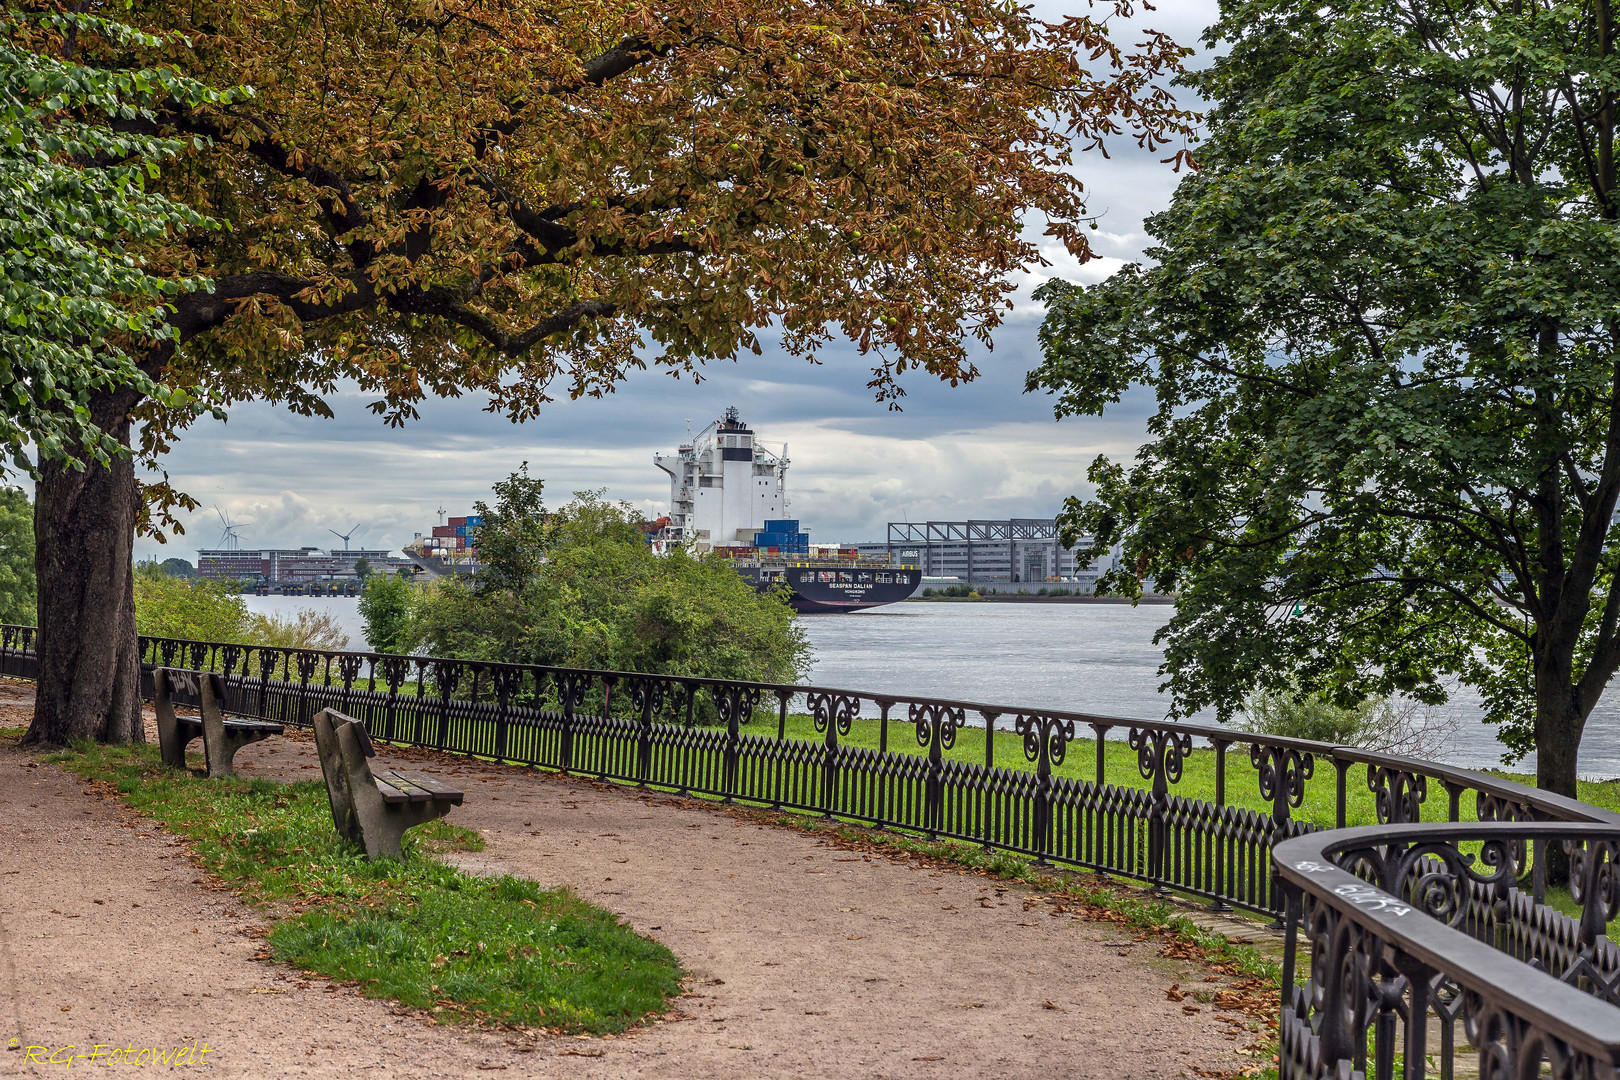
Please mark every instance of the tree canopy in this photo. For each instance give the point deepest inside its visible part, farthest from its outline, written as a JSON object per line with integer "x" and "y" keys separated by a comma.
{"x": 77, "y": 309}
{"x": 523, "y": 199}
{"x": 1382, "y": 325}
{"x": 517, "y": 198}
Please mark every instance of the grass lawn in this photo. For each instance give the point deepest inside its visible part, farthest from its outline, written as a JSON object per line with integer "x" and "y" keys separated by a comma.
{"x": 500, "y": 950}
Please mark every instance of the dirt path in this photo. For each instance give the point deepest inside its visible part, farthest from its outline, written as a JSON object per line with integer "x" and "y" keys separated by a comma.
{"x": 807, "y": 960}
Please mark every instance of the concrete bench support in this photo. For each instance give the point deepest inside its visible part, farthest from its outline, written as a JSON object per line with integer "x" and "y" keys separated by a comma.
{"x": 221, "y": 737}
{"x": 373, "y": 811}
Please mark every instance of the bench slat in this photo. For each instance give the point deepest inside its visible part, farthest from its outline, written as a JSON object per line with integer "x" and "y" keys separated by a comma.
{"x": 431, "y": 788}
{"x": 265, "y": 726}
{"x": 404, "y": 783}
{"x": 390, "y": 793}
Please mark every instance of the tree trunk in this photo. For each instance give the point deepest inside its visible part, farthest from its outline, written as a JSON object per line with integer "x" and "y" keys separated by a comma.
{"x": 1559, "y": 723}
{"x": 1558, "y": 743}
{"x": 84, "y": 534}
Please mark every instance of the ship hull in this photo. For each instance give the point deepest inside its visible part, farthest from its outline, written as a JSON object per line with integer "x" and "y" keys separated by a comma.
{"x": 835, "y": 589}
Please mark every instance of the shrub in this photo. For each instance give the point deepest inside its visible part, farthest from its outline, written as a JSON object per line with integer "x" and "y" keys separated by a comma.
{"x": 1390, "y": 725}
{"x": 198, "y": 609}
{"x": 600, "y": 598}
{"x": 385, "y": 608}
{"x": 306, "y": 628}
{"x": 17, "y": 597}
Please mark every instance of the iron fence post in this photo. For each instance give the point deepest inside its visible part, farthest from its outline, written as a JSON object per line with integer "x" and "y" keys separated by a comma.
{"x": 1218, "y": 833}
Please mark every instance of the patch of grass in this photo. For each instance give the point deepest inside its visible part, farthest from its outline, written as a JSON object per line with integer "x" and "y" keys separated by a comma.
{"x": 500, "y": 950}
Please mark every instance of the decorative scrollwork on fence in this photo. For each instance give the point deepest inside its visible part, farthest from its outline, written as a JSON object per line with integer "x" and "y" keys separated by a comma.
{"x": 647, "y": 695}
{"x": 446, "y": 677}
{"x": 1490, "y": 807}
{"x": 1283, "y": 771}
{"x": 572, "y": 687}
{"x": 348, "y": 666}
{"x": 394, "y": 670}
{"x": 307, "y": 663}
{"x": 1399, "y": 794}
{"x": 1594, "y": 883}
{"x": 1044, "y": 732}
{"x": 166, "y": 650}
{"x": 197, "y": 653}
{"x": 268, "y": 659}
{"x": 830, "y": 707}
{"x": 1342, "y": 965}
{"x": 936, "y": 724}
{"x": 1434, "y": 876}
{"x": 1512, "y": 1047}
{"x": 1160, "y": 754}
{"x": 508, "y": 681}
{"x": 736, "y": 704}
{"x": 230, "y": 656}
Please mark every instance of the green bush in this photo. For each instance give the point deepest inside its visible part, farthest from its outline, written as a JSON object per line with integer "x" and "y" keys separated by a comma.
{"x": 199, "y": 609}
{"x": 581, "y": 588}
{"x": 1385, "y": 724}
{"x": 306, "y": 628}
{"x": 385, "y": 608}
{"x": 17, "y": 596}
{"x": 176, "y": 607}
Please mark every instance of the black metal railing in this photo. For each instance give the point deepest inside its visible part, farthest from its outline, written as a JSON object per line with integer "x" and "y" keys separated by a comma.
{"x": 730, "y": 740}
{"x": 1409, "y": 935}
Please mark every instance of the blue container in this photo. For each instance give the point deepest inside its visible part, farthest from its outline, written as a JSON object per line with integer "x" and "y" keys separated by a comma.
{"x": 461, "y": 530}
{"x": 474, "y": 522}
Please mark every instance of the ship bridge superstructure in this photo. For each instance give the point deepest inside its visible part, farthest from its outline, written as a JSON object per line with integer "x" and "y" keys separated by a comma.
{"x": 723, "y": 486}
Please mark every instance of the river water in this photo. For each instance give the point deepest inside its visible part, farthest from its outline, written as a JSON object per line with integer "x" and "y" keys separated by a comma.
{"x": 1097, "y": 658}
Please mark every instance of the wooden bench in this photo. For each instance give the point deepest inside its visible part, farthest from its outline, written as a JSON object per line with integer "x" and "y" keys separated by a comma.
{"x": 371, "y": 810}
{"x": 222, "y": 737}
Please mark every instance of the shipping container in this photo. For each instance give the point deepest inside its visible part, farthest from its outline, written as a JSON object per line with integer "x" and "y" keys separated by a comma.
{"x": 461, "y": 521}
{"x": 443, "y": 530}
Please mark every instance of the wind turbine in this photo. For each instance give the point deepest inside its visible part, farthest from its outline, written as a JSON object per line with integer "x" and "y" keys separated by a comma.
{"x": 229, "y": 538}
{"x": 345, "y": 536}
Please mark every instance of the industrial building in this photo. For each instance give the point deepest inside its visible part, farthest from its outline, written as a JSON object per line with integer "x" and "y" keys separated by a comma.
{"x": 1016, "y": 553}
{"x": 294, "y": 566}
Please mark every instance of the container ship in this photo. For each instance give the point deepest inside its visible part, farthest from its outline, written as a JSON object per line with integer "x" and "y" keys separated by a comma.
{"x": 452, "y": 549}
{"x": 727, "y": 495}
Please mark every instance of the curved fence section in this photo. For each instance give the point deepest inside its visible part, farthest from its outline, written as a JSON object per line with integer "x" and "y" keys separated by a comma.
{"x": 1417, "y": 941}
{"x": 1427, "y": 898}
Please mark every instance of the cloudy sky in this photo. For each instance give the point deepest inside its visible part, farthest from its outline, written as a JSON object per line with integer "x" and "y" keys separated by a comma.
{"x": 981, "y": 450}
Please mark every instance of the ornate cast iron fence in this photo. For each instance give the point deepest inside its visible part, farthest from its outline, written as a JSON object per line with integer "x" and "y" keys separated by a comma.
{"x": 1407, "y": 934}
{"x": 1435, "y": 921}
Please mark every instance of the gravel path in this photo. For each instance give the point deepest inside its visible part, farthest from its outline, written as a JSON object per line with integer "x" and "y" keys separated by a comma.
{"x": 806, "y": 959}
